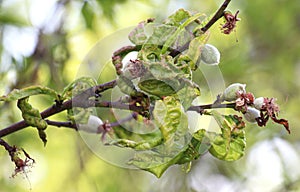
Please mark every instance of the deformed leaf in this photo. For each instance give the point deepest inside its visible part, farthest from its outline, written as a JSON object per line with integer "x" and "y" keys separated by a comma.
{"x": 197, "y": 147}
{"x": 170, "y": 117}
{"x": 188, "y": 93}
{"x": 17, "y": 94}
{"x": 173, "y": 125}
{"x": 77, "y": 86}
{"x": 156, "y": 87}
{"x": 76, "y": 114}
{"x": 33, "y": 117}
{"x": 157, "y": 163}
{"x": 162, "y": 70}
{"x": 179, "y": 30}
{"x": 138, "y": 35}
{"x": 177, "y": 18}
{"x": 230, "y": 144}
{"x": 194, "y": 51}
{"x": 153, "y": 162}
{"x": 161, "y": 34}
{"x": 126, "y": 85}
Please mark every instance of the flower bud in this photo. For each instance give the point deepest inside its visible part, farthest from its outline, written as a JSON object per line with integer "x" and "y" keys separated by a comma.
{"x": 230, "y": 93}
{"x": 92, "y": 125}
{"x": 251, "y": 114}
{"x": 259, "y": 103}
{"x": 210, "y": 55}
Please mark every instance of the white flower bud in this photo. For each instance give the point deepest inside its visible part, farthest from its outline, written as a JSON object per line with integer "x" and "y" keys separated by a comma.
{"x": 251, "y": 114}
{"x": 259, "y": 102}
{"x": 210, "y": 55}
{"x": 92, "y": 125}
{"x": 230, "y": 93}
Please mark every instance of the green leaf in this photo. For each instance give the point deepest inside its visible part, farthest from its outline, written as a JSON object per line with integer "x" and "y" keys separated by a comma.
{"x": 17, "y": 94}
{"x": 157, "y": 163}
{"x": 199, "y": 145}
{"x": 188, "y": 93}
{"x": 138, "y": 35}
{"x": 178, "y": 17}
{"x": 156, "y": 87}
{"x": 76, "y": 114}
{"x": 230, "y": 144}
{"x": 194, "y": 51}
{"x": 126, "y": 85}
{"x": 173, "y": 125}
{"x": 33, "y": 117}
{"x": 179, "y": 30}
{"x": 161, "y": 34}
{"x": 167, "y": 113}
{"x": 78, "y": 86}
{"x": 153, "y": 162}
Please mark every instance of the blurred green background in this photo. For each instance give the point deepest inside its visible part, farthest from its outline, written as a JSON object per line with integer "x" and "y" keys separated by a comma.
{"x": 45, "y": 42}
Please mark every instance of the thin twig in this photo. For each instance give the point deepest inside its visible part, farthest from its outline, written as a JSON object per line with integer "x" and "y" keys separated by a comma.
{"x": 200, "y": 108}
{"x": 67, "y": 124}
{"x": 217, "y": 16}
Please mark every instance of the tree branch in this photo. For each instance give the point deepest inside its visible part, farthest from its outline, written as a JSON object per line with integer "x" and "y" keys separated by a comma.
{"x": 67, "y": 124}
{"x": 82, "y": 100}
{"x": 201, "y": 108}
{"x": 79, "y": 100}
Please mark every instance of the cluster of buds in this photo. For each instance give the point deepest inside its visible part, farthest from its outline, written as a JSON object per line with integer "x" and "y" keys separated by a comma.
{"x": 258, "y": 110}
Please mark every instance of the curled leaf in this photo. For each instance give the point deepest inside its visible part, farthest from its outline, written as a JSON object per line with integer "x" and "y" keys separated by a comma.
{"x": 194, "y": 51}
{"x": 33, "y": 118}
{"x": 188, "y": 93}
{"x": 17, "y": 94}
{"x": 78, "y": 86}
{"x": 156, "y": 87}
{"x": 230, "y": 144}
{"x": 126, "y": 85}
